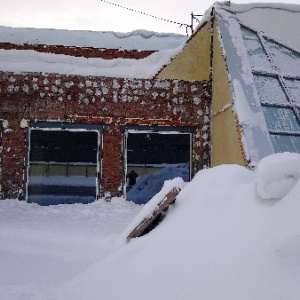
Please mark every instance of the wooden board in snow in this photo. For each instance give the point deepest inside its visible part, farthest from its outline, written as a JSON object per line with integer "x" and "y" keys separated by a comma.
{"x": 157, "y": 216}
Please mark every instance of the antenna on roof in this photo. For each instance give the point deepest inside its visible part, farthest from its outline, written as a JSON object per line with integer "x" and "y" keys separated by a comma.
{"x": 194, "y": 17}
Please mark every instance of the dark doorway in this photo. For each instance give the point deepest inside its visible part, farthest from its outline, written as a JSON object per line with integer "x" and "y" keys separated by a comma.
{"x": 155, "y": 157}
{"x": 62, "y": 166}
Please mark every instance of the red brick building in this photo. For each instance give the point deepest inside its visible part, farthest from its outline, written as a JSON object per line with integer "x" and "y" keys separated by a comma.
{"x": 71, "y": 125}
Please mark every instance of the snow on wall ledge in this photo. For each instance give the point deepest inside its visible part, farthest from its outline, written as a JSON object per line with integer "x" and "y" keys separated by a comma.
{"x": 33, "y": 61}
{"x": 97, "y": 100}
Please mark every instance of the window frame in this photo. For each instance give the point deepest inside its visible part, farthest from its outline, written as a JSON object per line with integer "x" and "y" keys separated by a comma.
{"x": 66, "y": 126}
{"x": 126, "y": 129}
{"x": 274, "y": 72}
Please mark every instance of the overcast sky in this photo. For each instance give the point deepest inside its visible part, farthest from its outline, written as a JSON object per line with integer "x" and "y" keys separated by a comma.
{"x": 99, "y": 16}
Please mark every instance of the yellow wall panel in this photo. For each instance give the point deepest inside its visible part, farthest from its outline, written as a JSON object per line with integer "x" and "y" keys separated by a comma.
{"x": 226, "y": 140}
{"x": 225, "y": 133}
{"x": 193, "y": 63}
{"x": 220, "y": 88}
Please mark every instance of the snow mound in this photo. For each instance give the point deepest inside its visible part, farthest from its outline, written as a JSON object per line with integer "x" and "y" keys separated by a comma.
{"x": 277, "y": 174}
{"x": 217, "y": 242}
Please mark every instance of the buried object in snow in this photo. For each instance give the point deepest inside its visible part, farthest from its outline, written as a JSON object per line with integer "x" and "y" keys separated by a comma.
{"x": 157, "y": 216}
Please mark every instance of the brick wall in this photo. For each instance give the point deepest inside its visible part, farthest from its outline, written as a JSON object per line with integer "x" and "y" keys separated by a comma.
{"x": 113, "y": 101}
{"x": 87, "y": 52}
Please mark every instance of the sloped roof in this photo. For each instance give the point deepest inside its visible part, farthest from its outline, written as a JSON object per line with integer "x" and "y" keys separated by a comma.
{"x": 166, "y": 45}
{"x": 279, "y": 21}
{"x": 260, "y": 42}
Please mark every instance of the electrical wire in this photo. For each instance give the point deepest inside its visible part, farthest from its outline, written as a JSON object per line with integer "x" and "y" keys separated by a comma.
{"x": 187, "y": 26}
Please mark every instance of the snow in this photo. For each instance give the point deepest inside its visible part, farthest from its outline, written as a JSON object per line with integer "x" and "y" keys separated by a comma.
{"x": 135, "y": 40}
{"x": 220, "y": 240}
{"x": 277, "y": 174}
{"x": 42, "y": 246}
{"x": 277, "y": 20}
{"x": 46, "y": 200}
{"x": 167, "y": 46}
{"x": 32, "y": 61}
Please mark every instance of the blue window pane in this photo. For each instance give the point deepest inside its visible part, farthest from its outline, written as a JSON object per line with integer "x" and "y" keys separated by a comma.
{"x": 293, "y": 87}
{"x": 286, "y": 143}
{"x": 269, "y": 90}
{"x": 257, "y": 55}
{"x": 287, "y": 60}
{"x": 280, "y": 119}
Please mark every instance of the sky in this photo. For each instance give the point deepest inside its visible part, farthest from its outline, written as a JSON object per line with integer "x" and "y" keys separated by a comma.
{"x": 97, "y": 15}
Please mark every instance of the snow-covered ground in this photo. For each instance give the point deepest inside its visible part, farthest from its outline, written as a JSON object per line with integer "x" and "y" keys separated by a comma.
{"x": 231, "y": 234}
{"x": 44, "y": 246}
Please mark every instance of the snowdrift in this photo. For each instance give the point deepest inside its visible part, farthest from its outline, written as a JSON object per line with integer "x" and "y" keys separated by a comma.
{"x": 225, "y": 238}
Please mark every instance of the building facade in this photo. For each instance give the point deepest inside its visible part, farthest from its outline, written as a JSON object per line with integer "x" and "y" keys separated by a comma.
{"x": 79, "y": 126}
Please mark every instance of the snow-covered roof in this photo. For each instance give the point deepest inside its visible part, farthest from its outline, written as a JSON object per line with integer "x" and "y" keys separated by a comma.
{"x": 167, "y": 46}
{"x": 135, "y": 40}
{"x": 280, "y": 21}
{"x": 260, "y": 42}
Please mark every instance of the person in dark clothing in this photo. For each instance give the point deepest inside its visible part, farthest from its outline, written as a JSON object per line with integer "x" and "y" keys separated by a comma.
{"x": 131, "y": 179}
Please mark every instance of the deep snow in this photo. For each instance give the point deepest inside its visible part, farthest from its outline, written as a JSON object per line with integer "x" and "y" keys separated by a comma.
{"x": 220, "y": 240}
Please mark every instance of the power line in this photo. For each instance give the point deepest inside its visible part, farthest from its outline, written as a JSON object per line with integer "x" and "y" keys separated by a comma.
{"x": 187, "y": 26}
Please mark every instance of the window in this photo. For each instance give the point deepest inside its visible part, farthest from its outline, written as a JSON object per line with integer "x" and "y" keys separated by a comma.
{"x": 156, "y": 154}
{"x": 281, "y": 119}
{"x": 63, "y": 163}
{"x": 269, "y": 90}
{"x": 255, "y": 50}
{"x": 286, "y": 60}
{"x": 293, "y": 87}
{"x": 276, "y": 71}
